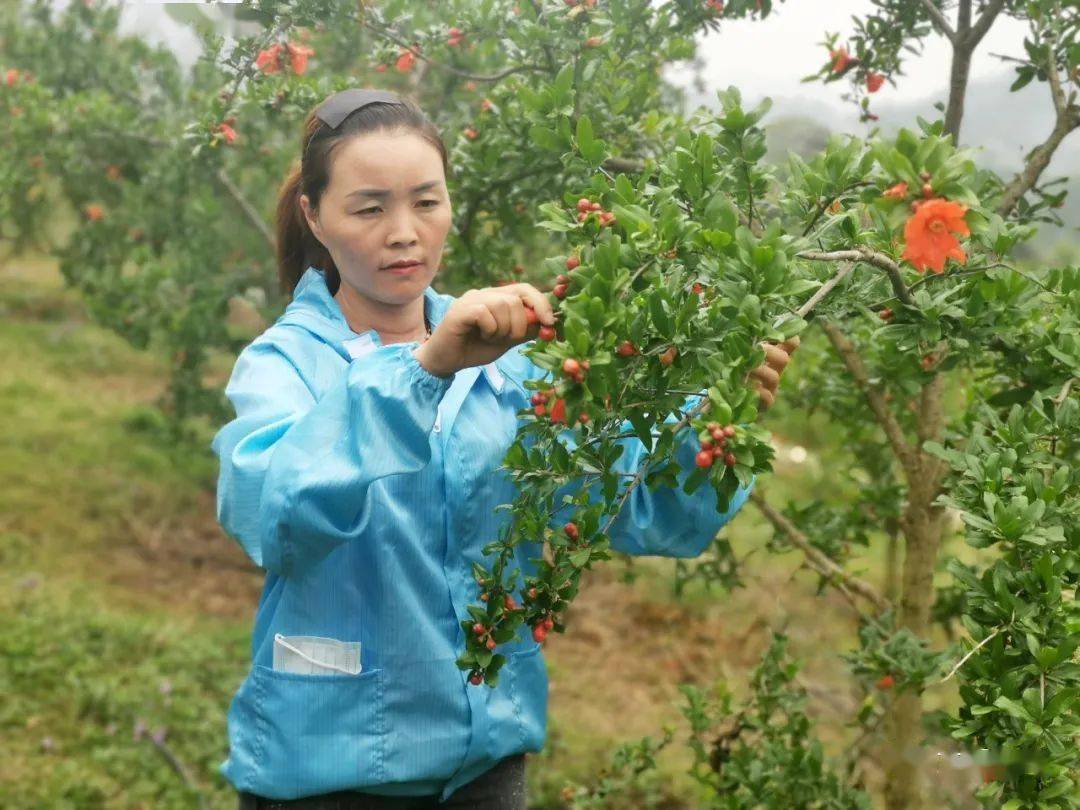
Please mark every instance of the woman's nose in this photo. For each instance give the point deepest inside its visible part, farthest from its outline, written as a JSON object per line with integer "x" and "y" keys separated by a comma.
{"x": 402, "y": 229}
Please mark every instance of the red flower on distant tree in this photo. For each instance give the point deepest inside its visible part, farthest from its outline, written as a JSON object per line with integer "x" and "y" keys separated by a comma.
{"x": 874, "y": 82}
{"x": 841, "y": 59}
{"x": 269, "y": 59}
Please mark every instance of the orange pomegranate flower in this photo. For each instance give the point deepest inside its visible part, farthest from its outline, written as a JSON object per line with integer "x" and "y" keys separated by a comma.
{"x": 269, "y": 60}
{"x": 12, "y": 77}
{"x": 299, "y": 54}
{"x": 841, "y": 59}
{"x": 94, "y": 212}
{"x": 227, "y": 132}
{"x": 929, "y": 237}
{"x": 405, "y": 61}
{"x": 897, "y": 192}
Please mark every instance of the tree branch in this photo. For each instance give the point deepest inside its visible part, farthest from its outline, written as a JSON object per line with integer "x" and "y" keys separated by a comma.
{"x": 863, "y": 253}
{"x": 939, "y": 20}
{"x": 493, "y": 77}
{"x": 818, "y": 560}
{"x": 248, "y": 209}
{"x": 885, "y": 418}
{"x": 982, "y": 25}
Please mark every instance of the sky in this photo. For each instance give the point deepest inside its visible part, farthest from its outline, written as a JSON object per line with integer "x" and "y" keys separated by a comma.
{"x": 768, "y": 57}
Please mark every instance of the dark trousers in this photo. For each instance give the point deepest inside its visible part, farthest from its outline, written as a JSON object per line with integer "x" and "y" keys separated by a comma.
{"x": 501, "y": 788}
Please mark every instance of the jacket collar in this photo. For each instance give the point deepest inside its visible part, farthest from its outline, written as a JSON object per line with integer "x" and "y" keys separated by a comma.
{"x": 314, "y": 309}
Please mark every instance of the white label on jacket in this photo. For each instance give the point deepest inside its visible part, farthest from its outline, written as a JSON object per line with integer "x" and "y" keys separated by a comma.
{"x": 312, "y": 655}
{"x": 495, "y": 377}
{"x": 358, "y": 347}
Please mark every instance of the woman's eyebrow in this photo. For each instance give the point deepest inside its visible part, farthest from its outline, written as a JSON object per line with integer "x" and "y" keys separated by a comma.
{"x": 385, "y": 192}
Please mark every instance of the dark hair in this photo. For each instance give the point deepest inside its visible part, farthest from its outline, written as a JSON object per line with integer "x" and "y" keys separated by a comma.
{"x": 297, "y": 247}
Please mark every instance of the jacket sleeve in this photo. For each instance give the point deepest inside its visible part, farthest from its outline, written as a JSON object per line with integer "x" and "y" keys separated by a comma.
{"x": 666, "y": 522}
{"x": 295, "y": 471}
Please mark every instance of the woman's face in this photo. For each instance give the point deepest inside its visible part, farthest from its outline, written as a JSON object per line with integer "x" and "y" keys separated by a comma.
{"x": 386, "y": 200}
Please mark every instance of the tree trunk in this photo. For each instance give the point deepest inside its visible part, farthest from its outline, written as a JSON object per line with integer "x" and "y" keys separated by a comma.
{"x": 921, "y": 523}
{"x": 958, "y": 80}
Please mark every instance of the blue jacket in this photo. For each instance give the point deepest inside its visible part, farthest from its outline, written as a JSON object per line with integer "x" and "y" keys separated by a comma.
{"x": 366, "y": 487}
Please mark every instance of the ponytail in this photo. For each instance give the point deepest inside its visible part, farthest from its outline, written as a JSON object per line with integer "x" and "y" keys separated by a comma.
{"x": 297, "y": 247}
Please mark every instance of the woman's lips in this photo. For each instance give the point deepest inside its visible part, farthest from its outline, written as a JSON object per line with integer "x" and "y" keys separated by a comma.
{"x": 404, "y": 271}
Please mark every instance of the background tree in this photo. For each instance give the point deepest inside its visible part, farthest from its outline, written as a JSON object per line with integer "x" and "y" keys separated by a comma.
{"x": 675, "y": 237}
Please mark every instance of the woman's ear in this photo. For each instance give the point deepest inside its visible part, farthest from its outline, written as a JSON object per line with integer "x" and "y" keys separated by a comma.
{"x": 311, "y": 218}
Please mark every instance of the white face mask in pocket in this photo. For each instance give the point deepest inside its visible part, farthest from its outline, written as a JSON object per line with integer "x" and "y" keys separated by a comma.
{"x": 312, "y": 655}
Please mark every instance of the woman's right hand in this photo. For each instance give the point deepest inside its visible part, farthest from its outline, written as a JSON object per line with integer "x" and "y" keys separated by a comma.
{"x": 482, "y": 325}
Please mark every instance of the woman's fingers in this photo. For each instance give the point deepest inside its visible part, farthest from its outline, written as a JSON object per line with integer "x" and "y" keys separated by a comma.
{"x": 791, "y": 344}
{"x": 776, "y": 357}
{"x": 766, "y": 396}
{"x": 770, "y": 377}
{"x": 519, "y": 323}
{"x": 540, "y": 304}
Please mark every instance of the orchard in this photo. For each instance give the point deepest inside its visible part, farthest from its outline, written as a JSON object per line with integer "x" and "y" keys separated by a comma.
{"x": 673, "y": 253}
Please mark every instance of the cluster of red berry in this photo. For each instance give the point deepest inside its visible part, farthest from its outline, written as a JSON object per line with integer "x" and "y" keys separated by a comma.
{"x": 586, "y": 208}
{"x": 713, "y": 441}
{"x": 542, "y": 628}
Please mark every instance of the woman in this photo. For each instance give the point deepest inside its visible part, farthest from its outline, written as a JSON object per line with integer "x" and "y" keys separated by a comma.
{"x": 361, "y": 471}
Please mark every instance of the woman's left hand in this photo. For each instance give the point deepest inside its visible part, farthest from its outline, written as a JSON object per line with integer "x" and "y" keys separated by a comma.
{"x": 768, "y": 374}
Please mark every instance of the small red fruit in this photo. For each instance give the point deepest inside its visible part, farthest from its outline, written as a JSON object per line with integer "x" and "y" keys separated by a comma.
{"x": 596, "y": 207}
{"x": 540, "y": 410}
{"x": 547, "y": 333}
{"x": 584, "y": 204}
{"x": 627, "y": 349}
{"x": 562, "y": 278}
{"x": 582, "y": 216}
{"x": 668, "y": 357}
{"x": 571, "y": 366}
{"x": 718, "y": 435}
{"x": 483, "y": 597}
{"x": 886, "y": 682}
{"x": 571, "y": 530}
{"x": 532, "y": 593}
{"x": 509, "y": 603}
{"x": 490, "y": 643}
{"x": 479, "y": 629}
{"x": 697, "y": 288}
{"x": 729, "y": 431}
{"x": 927, "y": 191}
{"x": 476, "y": 679}
{"x": 548, "y": 624}
{"x": 539, "y": 634}
{"x": 583, "y": 418}
{"x": 729, "y": 459}
{"x": 704, "y": 459}
{"x": 885, "y": 314}
{"x": 471, "y": 133}
{"x": 559, "y": 291}
{"x": 572, "y": 262}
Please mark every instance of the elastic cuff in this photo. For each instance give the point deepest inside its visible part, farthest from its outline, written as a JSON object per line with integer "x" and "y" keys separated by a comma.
{"x": 421, "y": 375}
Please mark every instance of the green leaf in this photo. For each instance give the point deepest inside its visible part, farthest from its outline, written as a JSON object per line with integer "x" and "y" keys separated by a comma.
{"x": 546, "y": 138}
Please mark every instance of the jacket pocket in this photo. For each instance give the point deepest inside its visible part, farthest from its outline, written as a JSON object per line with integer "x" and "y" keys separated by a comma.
{"x": 523, "y": 684}
{"x": 318, "y": 733}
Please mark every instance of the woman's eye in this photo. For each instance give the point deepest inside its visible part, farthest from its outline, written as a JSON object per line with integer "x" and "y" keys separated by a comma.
{"x": 373, "y": 210}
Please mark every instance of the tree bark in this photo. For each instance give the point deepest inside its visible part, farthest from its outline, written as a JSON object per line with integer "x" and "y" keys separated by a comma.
{"x": 922, "y": 523}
